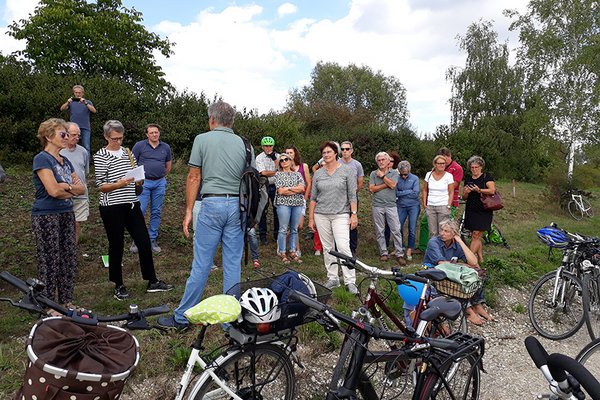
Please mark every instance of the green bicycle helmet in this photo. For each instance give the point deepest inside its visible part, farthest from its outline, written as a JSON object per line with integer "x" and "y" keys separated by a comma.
{"x": 267, "y": 141}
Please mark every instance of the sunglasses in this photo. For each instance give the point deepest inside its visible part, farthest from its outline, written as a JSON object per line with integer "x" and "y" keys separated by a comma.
{"x": 346, "y": 148}
{"x": 63, "y": 134}
{"x": 404, "y": 175}
{"x": 283, "y": 160}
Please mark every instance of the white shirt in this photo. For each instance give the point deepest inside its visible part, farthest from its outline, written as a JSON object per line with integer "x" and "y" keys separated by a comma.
{"x": 438, "y": 190}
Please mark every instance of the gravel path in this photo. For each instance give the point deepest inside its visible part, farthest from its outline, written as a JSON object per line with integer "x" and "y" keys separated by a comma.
{"x": 510, "y": 372}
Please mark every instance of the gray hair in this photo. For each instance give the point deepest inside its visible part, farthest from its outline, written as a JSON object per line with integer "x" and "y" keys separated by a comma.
{"x": 222, "y": 113}
{"x": 347, "y": 142}
{"x": 475, "y": 160}
{"x": 79, "y": 87}
{"x": 403, "y": 166}
{"x": 382, "y": 153}
{"x": 451, "y": 224}
{"x": 112, "y": 125}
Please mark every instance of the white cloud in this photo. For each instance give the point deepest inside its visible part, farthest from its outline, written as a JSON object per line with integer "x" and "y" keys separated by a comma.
{"x": 286, "y": 9}
{"x": 14, "y": 10}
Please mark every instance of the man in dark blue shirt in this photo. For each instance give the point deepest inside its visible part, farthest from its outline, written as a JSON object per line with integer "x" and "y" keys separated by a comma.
{"x": 80, "y": 109}
{"x": 156, "y": 157}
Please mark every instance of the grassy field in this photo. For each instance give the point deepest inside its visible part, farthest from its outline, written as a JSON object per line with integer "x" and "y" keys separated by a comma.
{"x": 529, "y": 209}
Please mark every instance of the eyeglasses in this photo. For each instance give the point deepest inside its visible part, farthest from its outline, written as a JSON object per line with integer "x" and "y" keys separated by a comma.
{"x": 346, "y": 148}
{"x": 383, "y": 160}
{"x": 63, "y": 134}
{"x": 440, "y": 163}
{"x": 116, "y": 139}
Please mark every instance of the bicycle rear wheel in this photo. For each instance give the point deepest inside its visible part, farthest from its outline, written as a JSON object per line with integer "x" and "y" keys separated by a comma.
{"x": 589, "y": 357}
{"x": 588, "y": 211}
{"x": 260, "y": 372}
{"x": 591, "y": 303}
{"x": 574, "y": 209}
{"x": 464, "y": 383}
{"x": 555, "y": 306}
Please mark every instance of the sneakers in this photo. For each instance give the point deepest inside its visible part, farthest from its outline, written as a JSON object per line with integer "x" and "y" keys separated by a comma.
{"x": 401, "y": 261}
{"x": 155, "y": 247}
{"x": 159, "y": 286}
{"x": 214, "y": 267}
{"x": 121, "y": 293}
{"x": 332, "y": 283}
{"x": 133, "y": 248}
{"x": 352, "y": 288}
{"x": 317, "y": 253}
{"x": 384, "y": 258}
{"x": 169, "y": 322}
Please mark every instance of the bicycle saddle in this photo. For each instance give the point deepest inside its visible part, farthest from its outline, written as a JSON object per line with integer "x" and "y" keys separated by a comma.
{"x": 432, "y": 274}
{"x": 441, "y": 307}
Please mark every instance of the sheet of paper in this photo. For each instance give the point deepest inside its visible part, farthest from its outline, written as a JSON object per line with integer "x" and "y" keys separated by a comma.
{"x": 137, "y": 173}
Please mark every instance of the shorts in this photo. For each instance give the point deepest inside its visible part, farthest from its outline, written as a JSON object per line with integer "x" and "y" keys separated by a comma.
{"x": 81, "y": 208}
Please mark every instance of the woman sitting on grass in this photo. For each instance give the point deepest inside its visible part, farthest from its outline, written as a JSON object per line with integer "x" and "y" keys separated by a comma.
{"x": 448, "y": 247}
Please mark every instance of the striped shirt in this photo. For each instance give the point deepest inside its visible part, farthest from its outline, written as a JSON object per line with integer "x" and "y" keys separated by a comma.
{"x": 109, "y": 169}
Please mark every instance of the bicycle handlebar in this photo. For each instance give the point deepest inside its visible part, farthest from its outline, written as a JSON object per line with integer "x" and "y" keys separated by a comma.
{"x": 555, "y": 368}
{"x": 34, "y": 301}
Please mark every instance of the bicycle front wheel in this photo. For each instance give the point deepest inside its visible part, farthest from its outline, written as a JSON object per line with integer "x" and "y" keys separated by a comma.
{"x": 589, "y": 357}
{"x": 260, "y": 372}
{"x": 464, "y": 382}
{"x": 574, "y": 209}
{"x": 588, "y": 211}
{"x": 591, "y": 303}
{"x": 555, "y": 306}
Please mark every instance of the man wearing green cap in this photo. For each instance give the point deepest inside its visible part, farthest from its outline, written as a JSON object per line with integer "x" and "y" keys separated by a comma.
{"x": 265, "y": 164}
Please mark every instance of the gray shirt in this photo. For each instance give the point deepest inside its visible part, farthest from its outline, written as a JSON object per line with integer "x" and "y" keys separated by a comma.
{"x": 385, "y": 197}
{"x": 80, "y": 159}
{"x": 334, "y": 193}
{"x": 222, "y": 156}
{"x": 356, "y": 166}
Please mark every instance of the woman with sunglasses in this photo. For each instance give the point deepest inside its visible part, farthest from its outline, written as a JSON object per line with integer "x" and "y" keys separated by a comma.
{"x": 407, "y": 202}
{"x": 302, "y": 168}
{"x": 289, "y": 200}
{"x": 52, "y": 217}
{"x": 438, "y": 193}
{"x": 120, "y": 210}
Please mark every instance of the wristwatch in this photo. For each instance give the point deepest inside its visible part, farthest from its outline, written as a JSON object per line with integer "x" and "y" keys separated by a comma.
{"x": 354, "y": 212}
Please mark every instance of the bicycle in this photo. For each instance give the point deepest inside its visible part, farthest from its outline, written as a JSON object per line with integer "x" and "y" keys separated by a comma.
{"x": 567, "y": 378}
{"x": 374, "y": 310}
{"x": 252, "y": 365}
{"x": 560, "y": 301}
{"x": 577, "y": 206}
{"x": 589, "y": 357}
{"x": 436, "y": 357}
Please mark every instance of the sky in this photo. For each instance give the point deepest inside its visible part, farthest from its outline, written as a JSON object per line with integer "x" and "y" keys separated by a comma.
{"x": 251, "y": 53}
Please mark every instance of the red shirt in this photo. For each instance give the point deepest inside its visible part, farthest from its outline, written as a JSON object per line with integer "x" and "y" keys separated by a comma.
{"x": 457, "y": 173}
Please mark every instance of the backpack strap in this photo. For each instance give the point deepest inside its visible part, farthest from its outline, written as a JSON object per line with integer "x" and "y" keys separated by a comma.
{"x": 248, "y": 147}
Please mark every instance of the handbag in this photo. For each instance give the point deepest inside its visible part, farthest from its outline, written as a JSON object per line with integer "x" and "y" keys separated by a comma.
{"x": 492, "y": 202}
{"x": 139, "y": 185}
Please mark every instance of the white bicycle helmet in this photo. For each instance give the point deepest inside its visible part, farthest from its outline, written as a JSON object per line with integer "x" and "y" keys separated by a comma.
{"x": 260, "y": 305}
{"x": 312, "y": 291}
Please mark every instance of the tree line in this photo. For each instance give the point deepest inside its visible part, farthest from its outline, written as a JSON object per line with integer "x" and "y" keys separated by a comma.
{"x": 524, "y": 118}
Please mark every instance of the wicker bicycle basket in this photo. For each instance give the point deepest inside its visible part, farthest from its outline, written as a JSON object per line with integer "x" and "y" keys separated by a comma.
{"x": 454, "y": 289}
{"x": 292, "y": 313}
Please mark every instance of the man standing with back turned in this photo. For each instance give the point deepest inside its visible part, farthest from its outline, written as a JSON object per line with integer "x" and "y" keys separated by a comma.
{"x": 217, "y": 160}
{"x": 155, "y": 155}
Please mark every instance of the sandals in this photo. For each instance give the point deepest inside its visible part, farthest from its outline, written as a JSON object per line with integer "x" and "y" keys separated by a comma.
{"x": 284, "y": 258}
{"x": 294, "y": 257}
{"x": 50, "y": 312}
{"x": 79, "y": 310}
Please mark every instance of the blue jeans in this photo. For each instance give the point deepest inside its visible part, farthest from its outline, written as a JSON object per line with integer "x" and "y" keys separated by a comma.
{"x": 253, "y": 241}
{"x": 154, "y": 193}
{"x": 289, "y": 217}
{"x": 413, "y": 214}
{"x": 86, "y": 140}
{"x": 218, "y": 222}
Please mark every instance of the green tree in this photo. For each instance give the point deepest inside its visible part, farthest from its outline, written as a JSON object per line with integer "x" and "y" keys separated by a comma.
{"x": 349, "y": 96}
{"x": 101, "y": 38}
{"x": 556, "y": 37}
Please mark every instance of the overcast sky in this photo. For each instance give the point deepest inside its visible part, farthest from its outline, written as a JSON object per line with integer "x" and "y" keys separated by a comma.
{"x": 252, "y": 53}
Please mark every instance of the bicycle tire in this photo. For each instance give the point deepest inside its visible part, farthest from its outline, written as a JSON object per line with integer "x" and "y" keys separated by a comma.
{"x": 272, "y": 370}
{"x": 364, "y": 387}
{"x": 465, "y": 382}
{"x": 588, "y": 210}
{"x": 591, "y": 303}
{"x": 553, "y": 319}
{"x": 575, "y": 211}
{"x": 589, "y": 357}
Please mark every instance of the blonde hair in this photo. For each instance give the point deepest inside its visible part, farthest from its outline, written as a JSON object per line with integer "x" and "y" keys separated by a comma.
{"x": 47, "y": 129}
{"x": 439, "y": 156}
{"x": 284, "y": 155}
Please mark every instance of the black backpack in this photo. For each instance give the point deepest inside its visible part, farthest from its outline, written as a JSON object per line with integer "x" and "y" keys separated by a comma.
{"x": 249, "y": 192}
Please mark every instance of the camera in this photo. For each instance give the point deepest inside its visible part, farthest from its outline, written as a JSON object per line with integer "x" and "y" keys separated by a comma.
{"x": 77, "y": 99}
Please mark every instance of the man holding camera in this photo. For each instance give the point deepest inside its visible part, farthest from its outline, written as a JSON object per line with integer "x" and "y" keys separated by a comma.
{"x": 80, "y": 109}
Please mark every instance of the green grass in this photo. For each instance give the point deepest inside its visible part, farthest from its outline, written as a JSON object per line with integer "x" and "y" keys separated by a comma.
{"x": 166, "y": 354}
